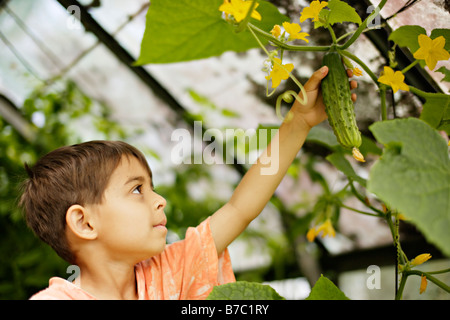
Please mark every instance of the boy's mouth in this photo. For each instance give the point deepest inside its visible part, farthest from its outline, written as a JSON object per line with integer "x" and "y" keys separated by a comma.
{"x": 161, "y": 224}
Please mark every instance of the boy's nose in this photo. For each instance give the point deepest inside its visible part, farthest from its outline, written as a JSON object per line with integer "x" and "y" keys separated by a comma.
{"x": 160, "y": 203}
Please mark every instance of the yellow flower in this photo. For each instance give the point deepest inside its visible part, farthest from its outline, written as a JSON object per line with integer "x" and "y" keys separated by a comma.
{"x": 421, "y": 258}
{"x": 358, "y": 155}
{"x": 395, "y": 80}
{"x": 431, "y": 50}
{"x": 357, "y": 72}
{"x": 423, "y": 284}
{"x": 311, "y": 234}
{"x": 238, "y": 9}
{"x": 278, "y": 73}
{"x": 276, "y": 31}
{"x": 313, "y": 10}
{"x": 325, "y": 228}
{"x": 294, "y": 31}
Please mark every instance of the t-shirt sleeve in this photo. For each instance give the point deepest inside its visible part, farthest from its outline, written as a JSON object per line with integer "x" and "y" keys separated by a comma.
{"x": 187, "y": 269}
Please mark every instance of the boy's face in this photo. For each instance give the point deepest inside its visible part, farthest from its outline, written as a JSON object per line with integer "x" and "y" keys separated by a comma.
{"x": 130, "y": 220}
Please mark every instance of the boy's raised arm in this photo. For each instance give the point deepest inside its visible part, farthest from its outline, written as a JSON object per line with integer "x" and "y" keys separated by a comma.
{"x": 260, "y": 182}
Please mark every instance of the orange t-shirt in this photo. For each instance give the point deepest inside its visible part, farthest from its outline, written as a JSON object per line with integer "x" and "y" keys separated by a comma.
{"x": 185, "y": 270}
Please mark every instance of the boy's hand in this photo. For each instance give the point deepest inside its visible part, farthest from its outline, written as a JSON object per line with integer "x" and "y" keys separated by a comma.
{"x": 313, "y": 112}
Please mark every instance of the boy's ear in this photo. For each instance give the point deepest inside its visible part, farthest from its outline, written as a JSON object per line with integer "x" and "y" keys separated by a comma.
{"x": 79, "y": 221}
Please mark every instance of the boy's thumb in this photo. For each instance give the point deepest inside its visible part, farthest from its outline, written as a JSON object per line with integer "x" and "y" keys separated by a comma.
{"x": 314, "y": 81}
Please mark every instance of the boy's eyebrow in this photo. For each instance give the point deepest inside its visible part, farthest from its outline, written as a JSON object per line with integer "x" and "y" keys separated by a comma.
{"x": 133, "y": 179}
{"x": 140, "y": 179}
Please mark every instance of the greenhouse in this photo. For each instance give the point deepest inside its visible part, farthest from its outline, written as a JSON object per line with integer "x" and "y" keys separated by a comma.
{"x": 203, "y": 88}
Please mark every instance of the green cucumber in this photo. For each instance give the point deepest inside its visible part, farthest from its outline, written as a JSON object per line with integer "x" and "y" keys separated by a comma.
{"x": 339, "y": 105}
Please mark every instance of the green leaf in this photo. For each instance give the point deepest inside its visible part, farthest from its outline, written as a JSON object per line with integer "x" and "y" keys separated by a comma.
{"x": 201, "y": 99}
{"x": 445, "y": 72}
{"x": 436, "y": 111}
{"x": 194, "y": 29}
{"x": 243, "y": 290}
{"x": 442, "y": 32}
{"x": 342, "y": 164}
{"x": 413, "y": 176}
{"x": 339, "y": 12}
{"x": 326, "y": 138}
{"x": 407, "y": 36}
{"x": 322, "y": 136}
{"x": 324, "y": 289}
{"x": 229, "y": 113}
{"x": 445, "y": 122}
{"x": 368, "y": 145}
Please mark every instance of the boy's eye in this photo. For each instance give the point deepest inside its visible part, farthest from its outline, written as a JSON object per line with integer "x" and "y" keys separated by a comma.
{"x": 138, "y": 189}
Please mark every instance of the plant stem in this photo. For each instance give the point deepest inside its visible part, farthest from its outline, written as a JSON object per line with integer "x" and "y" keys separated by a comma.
{"x": 383, "y": 103}
{"x": 429, "y": 277}
{"x": 333, "y": 35}
{"x": 358, "y": 211}
{"x": 285, "y": 46}
{"x": 363, "y": 26}
{"x": 352, "y": 32}
{"x": 361, "y": 198}
{"x": 244, "y": 22}
{"x": 395, "y": 236}
{"x": 401, "y": 287}
{"x": 412, "y": 64}
{"x": 257, "y": 39}
{"x": 401, "y": 257}
{"x": 439, "y": 271}
{"x": 424, "y": 94}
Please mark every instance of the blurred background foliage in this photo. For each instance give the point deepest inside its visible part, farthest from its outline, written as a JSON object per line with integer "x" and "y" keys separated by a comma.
{"x": 57, "y": 115}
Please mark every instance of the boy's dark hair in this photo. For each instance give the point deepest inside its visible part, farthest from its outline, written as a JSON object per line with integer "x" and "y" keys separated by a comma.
{"x": 77, "y": 174}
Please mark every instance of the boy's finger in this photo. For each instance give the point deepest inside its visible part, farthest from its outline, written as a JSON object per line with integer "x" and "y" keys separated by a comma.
{"x": 353, "y": 84}
{"x": 314, "y": 81}
{"x": 349, "y": 73}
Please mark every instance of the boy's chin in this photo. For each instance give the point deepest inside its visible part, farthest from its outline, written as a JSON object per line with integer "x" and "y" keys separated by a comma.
{"x": 155, "y": 250}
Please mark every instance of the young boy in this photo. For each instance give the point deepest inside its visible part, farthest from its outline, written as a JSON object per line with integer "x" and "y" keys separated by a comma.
{"x": 94, "y": 204}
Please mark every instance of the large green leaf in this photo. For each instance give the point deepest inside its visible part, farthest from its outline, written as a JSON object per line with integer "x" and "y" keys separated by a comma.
{"x": 339, "y": 12}
{"x": 436, "y": 111}
{"x": 413, "y": 176}
{"x": 324, "y": 289}
{"x": 442, "y": 32}
{"x": 406, "y": 36}
{"x": 243, "y": 290}
{"x": 185, "y": 30}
